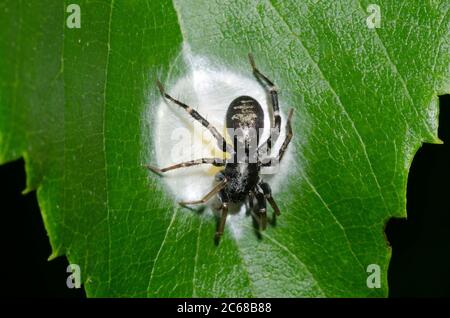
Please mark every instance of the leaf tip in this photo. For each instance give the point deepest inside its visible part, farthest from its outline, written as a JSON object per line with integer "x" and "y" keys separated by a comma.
{"x": 52, "y": 256}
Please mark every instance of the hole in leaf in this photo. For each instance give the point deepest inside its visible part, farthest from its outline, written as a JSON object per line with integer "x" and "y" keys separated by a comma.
{"x": 421, "y": 244}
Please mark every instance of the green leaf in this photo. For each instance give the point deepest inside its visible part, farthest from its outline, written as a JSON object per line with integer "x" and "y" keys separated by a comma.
{"x": 73, "y": 103}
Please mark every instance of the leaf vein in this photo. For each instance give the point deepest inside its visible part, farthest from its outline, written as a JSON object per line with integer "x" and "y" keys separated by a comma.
{"x": 160, "y": 249}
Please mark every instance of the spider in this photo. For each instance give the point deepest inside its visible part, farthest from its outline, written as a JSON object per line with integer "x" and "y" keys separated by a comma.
{"x": 240, "y": 179}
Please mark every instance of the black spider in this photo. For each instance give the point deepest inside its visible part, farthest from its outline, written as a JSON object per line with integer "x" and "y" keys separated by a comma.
{"x": 240, "y": 179}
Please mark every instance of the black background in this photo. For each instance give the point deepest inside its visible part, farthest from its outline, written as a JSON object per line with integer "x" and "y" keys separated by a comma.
{"x": 420, "y": 245}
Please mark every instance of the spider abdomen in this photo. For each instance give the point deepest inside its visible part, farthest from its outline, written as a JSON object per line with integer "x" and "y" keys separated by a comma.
{"x": 245, "y": 112}
{"x": 245, "y": 120}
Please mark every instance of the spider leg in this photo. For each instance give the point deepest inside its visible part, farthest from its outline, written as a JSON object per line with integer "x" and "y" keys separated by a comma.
{"x": 272, "y": 90}
{"x": 262, "y": 210}
{"x": 214, "y": 161}
{"x": 286, "y": 141}
{"x": 268, "y": 194}
{"x": 209, "y": 195}
{"x": 223, "y": 216}
{"x": 223, "y": 145}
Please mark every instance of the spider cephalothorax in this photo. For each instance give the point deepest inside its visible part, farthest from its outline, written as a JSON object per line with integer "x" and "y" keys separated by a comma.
{"x": 240, "y": 180}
